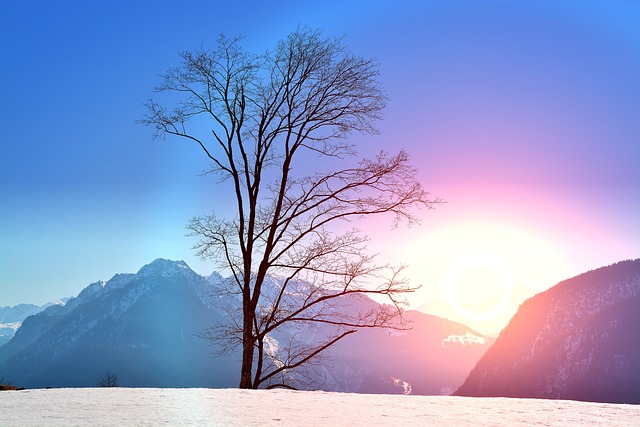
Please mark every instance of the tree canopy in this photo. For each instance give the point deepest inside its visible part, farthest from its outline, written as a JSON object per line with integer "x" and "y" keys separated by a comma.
{"x": 275, "y": 127}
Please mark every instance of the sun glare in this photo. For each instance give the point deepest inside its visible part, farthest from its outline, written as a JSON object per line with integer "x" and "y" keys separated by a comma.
{"x": 479, "y": 286}
{"x": 476, "y": 272}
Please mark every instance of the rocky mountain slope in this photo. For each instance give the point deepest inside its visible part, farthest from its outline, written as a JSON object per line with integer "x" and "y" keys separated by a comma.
{"x": 578, "y": 340}
{"x": 146, "y": 328}
{"x": 11, "y": 317}
{"x": 143, "y": 327}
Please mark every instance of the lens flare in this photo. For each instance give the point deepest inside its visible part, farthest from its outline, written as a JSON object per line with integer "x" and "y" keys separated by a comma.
{"x": 482, "y": 290}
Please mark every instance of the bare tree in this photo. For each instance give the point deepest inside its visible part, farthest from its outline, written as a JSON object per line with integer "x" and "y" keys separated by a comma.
{"x": 109, "y": 379}
{"x": 277, "y": 132}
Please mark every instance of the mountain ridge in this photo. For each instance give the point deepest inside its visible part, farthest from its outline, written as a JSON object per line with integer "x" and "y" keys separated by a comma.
{"x": 576, "y": 340}
{"x": 147, "y": 327}
{"x": 11, "y": 317}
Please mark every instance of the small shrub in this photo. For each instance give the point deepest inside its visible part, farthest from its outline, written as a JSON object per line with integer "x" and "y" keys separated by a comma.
{"x": 6, "y": 385}
{"x": 109, "y": 379}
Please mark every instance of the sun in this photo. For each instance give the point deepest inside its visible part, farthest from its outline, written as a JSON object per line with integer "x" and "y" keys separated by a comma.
{"x": 477, "y": 270}
{"x": 479, "y": 286}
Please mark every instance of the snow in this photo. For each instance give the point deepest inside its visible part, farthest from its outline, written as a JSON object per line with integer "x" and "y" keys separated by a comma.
{"x": 466, "y": 339}
{"x": 12, "y": 325}
{"x": 233, "y": 407}
{"x": 405, "y": 385}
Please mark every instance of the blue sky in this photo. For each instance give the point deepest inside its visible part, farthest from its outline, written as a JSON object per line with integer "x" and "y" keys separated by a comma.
{"x": 522, "y": 115}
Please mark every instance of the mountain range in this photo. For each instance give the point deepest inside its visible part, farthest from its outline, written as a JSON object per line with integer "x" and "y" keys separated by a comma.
{"x": 147, "y": 329}
{"x": 11, "y": 317}
{"x": 578, "y": 340}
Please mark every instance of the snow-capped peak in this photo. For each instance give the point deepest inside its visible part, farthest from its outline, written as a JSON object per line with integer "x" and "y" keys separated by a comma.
{"x": 164, "y": 267}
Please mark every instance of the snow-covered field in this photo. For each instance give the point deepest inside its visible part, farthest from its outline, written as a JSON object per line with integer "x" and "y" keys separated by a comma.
{"x": 232, "y": 407}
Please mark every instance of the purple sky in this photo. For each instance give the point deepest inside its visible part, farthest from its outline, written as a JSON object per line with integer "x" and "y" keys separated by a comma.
{"x": 522, "y": 115}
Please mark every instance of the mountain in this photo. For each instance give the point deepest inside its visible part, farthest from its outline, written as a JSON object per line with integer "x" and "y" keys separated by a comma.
{"x": 578, "y": 340}
{"x": 146, "y": 328}
{"x": 143, "y": 327}
{"x": 431, "y": 358}
{"x": 11, "y": 317}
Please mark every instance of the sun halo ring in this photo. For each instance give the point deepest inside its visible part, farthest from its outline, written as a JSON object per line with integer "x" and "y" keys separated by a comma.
{"x": 486, "y": 260}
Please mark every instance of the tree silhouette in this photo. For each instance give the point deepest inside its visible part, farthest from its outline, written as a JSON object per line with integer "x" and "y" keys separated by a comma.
{"x": 274, "y": 127}
{"x": 109, "y": 379}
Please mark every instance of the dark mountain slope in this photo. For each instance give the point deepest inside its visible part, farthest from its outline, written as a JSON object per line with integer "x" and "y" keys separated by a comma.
{"x": 578, "y": 340}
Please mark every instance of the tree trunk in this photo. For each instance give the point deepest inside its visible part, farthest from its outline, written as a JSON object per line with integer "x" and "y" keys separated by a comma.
{"x": 247, "y": 350}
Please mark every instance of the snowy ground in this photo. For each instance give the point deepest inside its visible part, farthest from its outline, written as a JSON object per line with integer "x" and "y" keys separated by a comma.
{"x": 231, "y": 407}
